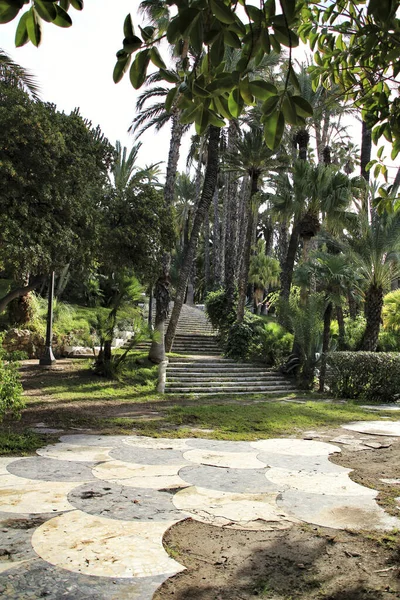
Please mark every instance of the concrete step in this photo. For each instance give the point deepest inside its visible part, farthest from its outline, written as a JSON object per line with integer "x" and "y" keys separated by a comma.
{"x": 229, "y": 390}
{"x": 206, "y": 378}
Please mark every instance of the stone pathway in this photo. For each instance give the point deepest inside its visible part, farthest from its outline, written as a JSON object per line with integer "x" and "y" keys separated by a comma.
{"x": 85, "y": 518}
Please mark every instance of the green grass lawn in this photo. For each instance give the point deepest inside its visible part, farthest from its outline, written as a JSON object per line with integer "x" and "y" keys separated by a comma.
{"x": 231, "y": 421}
{"x": 77, "y": 398}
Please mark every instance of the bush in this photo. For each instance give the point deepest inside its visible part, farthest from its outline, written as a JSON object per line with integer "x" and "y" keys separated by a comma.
{"x": 216, "y": 310}
{"x": 354, "y": 329}
{"x": 272, "y": 344}
{"x": 240, "y": 338}
{"x": 391, "y": 312}
{"x": 11, "y": 400}
{"x": 367, "y": 376}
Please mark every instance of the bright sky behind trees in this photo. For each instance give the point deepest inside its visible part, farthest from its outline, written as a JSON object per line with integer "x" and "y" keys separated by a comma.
{"x": 74, "y": 67}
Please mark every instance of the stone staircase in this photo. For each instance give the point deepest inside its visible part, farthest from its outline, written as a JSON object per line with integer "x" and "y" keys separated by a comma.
{"x": 204, "y": 371}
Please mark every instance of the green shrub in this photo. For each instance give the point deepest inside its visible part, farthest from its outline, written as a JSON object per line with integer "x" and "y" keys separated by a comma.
{"x": 354, "y": 329}
{"x": 367, "y": 376}
{"x": 272, "y": 343}
{"x": 216, "y": 310}
{"x": 240, "y": 339}
{"x": 391, "y": 312}
{"x": 388, "y": 341}
{"x": 11, "y": 401}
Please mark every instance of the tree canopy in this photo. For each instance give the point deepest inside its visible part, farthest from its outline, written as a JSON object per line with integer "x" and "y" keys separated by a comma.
{"x": 356, "y": 41}
{"x": 52, "y": 167}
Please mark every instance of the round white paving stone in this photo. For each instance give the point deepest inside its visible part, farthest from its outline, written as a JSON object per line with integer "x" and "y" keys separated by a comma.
{"x": 156, "y": 477}
{"x": 76, "y": 452}
{"x": 337, "y": 512}
{"x": 19, "y": 495}
{"x": 233, "y": 460}
{"x": 391, "y": 428}
{"x": 334, "y": 484}
{"x": 157, "y": 444}
{"x": 295, "y": 447}
{"x": 98, "y": 546}
{"x": 88, "y": 439}
{"x": 257, "y": 512}
{"x": 4, "y": 462}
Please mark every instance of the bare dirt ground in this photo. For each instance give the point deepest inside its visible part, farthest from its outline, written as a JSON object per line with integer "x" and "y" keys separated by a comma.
{"x": 304, "y": 562}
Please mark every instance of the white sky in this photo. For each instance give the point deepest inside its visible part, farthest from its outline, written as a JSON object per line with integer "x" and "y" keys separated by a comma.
{"x": 74, "y": 68}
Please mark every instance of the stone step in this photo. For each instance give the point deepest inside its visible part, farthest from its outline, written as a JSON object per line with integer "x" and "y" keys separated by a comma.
{"x": 199, "y": 378}
{"x": 218, "y": 368}
{"x": 228, "y": 390}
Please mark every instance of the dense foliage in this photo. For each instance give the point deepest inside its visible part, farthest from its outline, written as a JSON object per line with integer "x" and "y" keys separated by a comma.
{"x": 367, "y": 376}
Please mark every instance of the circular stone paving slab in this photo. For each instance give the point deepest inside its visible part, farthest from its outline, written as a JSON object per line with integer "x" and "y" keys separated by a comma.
{"x": 338, "y": 512}
{"x": 219, "y": 445}
{"x": 48, "y": 469}
{"x": 336, "y": 484}
{"x": 18, "y": 495}
{"x": 391, "y": 428}
{"x": 242, "y": 511}
{"x": 75, "y": 452}
{"x": 148, "y": 456}
{"x": 87, "y": 439}
{"x": 295, "y": 447}
{"x": 103, "y": 547}
{"x": 228, "y": 480}
{"x": 234, "y": 460}
{"x": 156, "y": 477}
{"x": 114, "y": 501}
{"x": 157, "y": 444}
{"x": 38, "y": 579}
{"x": 312, "y": 464}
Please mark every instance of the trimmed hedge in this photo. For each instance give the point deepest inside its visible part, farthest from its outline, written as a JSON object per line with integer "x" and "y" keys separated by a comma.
{"x": 367, "y": 376}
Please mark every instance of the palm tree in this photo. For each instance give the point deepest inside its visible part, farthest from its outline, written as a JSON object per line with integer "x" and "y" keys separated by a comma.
{"x": 264, "y": 271}
{"x": 252, "y": 158}
{"x": 335, "y": 274}
{"x": 13, "y": 74}
{"x": 375, "y": 249}
{"x": 314, "y": 193}
{"x": 210, "y": 181}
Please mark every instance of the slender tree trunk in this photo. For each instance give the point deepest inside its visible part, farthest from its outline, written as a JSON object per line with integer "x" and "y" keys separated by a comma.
{"x": 245, "y": 267}
{"x": 283, "y": 243}
{"x": 217, "y": 243}
{"x": 157, "y": 351}
{"x": 325, "y": 344}
{"x": 288, "y": 266}
{"x": 210, "y": 181}
{"x": 366, "y": 146}
{"x": 373, "y": 314}
{"x": 231, "y": 245}
{"x": 243, "y": 221}
{"x": 161, "y": 294}
{"x": 206, "y": 230}
{"x": 342, "y": 331}
{"x": 353, "y": 308}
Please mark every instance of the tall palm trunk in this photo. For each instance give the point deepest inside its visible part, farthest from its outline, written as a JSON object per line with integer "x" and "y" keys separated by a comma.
{"x": 245, "y": 267}
{"x": 342, "y": 331}
{"x": 217, "y": 243}
{"x": 373, "y": 313}
{"x": 210, "y": 181}
{"x": 206, "y": 231}
{"x": 288, "y": 265}
{"x": 231, "y": 202}
{"x": 161, "y": 293}
{"x": 325, "y": 344}
{"x": 366, "y": 146}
